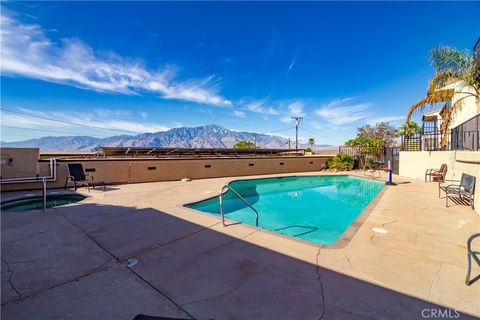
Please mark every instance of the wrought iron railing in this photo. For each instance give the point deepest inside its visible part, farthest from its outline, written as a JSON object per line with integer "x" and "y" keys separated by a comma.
{"x": 353, "y": 151}
{"x": 463, "y": 137}
{"x": 430, "y": 141}
{"x": 466, "y": 135}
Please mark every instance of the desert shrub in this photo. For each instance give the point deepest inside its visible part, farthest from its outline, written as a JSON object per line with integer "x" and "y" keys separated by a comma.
{"x": 244, "y": 144}
{"x": 341, "y": 162}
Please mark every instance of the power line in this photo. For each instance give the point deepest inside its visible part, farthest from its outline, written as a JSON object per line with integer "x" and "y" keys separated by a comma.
{"x": 18, "y": 136}
{"x": 91, "y": 126}
{"x": 315, "y": 133}
{"x": 101, "y": 128}
{"x": 66, "y": 122}
{"x": 53, "y": 131}
{"x": 281, "y": 130}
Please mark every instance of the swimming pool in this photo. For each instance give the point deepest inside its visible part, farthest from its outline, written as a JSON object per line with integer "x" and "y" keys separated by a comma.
{"x": 37, "y": 202}
{"x": 313, "y": 208}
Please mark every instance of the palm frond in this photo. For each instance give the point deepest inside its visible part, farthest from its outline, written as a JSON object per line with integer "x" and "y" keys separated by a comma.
{"x": 440, "y": 80}
{"x": 446, "y": 58}
{"x": 431, "y": 99}
{"x": 447, "y": 116}
{"x": 452, "y": 66}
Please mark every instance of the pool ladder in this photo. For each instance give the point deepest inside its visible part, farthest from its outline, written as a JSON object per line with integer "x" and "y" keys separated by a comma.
{"x": 225, "y": 188}
{"x": 43, "y": 180}
{"x": 44, "y": 189}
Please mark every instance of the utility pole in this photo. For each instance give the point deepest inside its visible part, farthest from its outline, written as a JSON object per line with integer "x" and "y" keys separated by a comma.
{"x": 289, "y": 144}
{"x": 297, "y": 121}
{"x": 255, "y": 140}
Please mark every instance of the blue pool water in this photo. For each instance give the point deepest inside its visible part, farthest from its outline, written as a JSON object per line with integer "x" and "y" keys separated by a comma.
{"x": 316, "y": 208}
{"x": 37, "y": 203}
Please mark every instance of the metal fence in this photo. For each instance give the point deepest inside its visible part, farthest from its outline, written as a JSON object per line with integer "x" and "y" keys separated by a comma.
{"x": 466, "y": 135}
{"x": 431, "y": 141}
{"x": 385, "y": 154}
{"x": 353, "y": 151}
{"x": 463, "y": 137}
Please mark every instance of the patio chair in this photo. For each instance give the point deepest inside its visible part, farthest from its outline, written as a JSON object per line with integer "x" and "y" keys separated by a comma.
{"x": 464, "y": 190}
{"x": 77, "y": 176}
{"x": 439, "y": 174}
{"x": 476, "y": 257}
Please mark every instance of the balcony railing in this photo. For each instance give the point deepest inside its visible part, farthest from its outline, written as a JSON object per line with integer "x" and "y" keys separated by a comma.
{"x": 463, "y": 137}
{"x": 430, "y": 141}
{"x": 466, "y": 135}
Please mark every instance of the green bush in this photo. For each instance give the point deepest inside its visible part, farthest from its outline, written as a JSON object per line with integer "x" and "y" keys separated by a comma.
{"x": 244, "y": 144}
{"x": 308, "y": 149}
{"x": 341, "y": 162}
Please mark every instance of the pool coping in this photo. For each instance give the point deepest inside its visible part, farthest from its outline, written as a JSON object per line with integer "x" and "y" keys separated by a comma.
{"x": 341, "y": 242}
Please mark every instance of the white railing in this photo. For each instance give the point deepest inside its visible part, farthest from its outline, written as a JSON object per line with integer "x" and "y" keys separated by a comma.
{"x": 51, "y": 177}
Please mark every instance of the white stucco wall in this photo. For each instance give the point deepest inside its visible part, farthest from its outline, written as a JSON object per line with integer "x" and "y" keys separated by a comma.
{"x": 414, "y": 163}
{"x": 469, "y": 107}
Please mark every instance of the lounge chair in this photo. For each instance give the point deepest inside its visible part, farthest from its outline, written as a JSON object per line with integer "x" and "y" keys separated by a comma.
{"x": 476, "y": 257}
{"x": 78, "y": 176}
{"x": 464, "y": 190}
{"x": 439, "y": 174}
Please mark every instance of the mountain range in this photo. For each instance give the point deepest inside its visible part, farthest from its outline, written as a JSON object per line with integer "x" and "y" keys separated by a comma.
{"x": 210, "y": 136}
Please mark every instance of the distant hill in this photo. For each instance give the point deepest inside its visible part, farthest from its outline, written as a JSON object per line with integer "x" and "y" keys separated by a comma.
{"x": 210, "y": 136}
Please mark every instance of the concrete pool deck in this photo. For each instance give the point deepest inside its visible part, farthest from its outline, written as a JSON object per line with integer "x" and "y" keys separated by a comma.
{"x": 135, "y": 249}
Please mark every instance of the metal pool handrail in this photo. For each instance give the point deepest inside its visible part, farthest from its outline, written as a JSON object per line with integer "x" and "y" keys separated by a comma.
{"x": 44, "y": 182}
{"x": 51, "y": 177}
{"x": 222, "y": 210}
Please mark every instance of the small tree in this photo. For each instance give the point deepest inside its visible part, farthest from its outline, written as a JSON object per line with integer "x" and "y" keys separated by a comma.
{"x": 382, "y": 130}
{"x": 244, "y": 144}
{"x": 367, "y": 148}
{"x": 311, "y": 142}
{"x": 409, "y": 129}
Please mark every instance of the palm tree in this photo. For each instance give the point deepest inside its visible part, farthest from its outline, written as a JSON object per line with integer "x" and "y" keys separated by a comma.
{"x": 311, "y": 142}
{"x": 408, "y": 129}
{"x": 452, "y": 66}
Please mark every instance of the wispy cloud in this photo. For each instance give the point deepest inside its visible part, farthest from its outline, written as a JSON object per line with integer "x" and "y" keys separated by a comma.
{"x": 239, "y": 114}
{"x": 286, "y": 119}
{"x": 113, "y": 120}
{"x": 294, "y": 109}
{"x": 260, "y": 107}
{"x": 337, "y": 113}
{"x": 27, "y": 51}
{"x": 386, "y": 119}
{"x": 292, "y": 64}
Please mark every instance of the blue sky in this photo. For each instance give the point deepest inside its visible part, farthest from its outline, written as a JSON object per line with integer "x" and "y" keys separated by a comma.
{"x": 150, "y": 66}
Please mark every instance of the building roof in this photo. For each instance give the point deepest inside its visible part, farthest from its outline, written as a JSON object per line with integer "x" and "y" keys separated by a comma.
{"x": 432, "y": 115}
